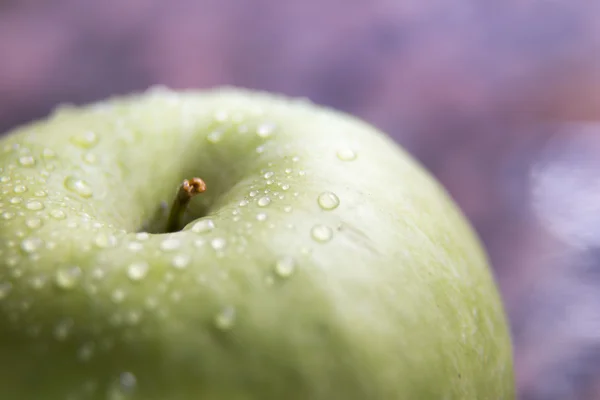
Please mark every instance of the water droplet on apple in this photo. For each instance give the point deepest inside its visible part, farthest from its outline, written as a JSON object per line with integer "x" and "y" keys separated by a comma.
{"x": 57, "y": 214}
{"x": 137, "y": 270}
{"x": 20, "y": 189}
{"x": 180, "y": 261}
{"x": 321, "y": 233}
{"x": 264, "y": 201}
{"x": 33, "y": 223}
{"x": 253, "y": 193}
{"x": 268, "y": 175}
{"x": 103, "y": 241}
{"x": 141, "y": 236}
{"x": 225, "y": 319}
{"x": 5, "y": 288}
{"x": 215, "y": 136}
{"x": 169, "y": 244}
{"x": 328, "y": 201}
{"x": 85, "y": 140}
{"x": 48, "y": 154}
{"x": 261, "y": 217}
{"x": 284, "y": 267}
{"x": 34, "y": 205}
{"x": 15, "y": 200}
{"x": 62, "y": 329}
{"x": 218, "y": 243}
{"x": 265, "y": 130}
{"x": 243, "y": 203}
{"x": 124, "y": 388}
{"x": 67, "y": 278}
{"x": 135, "y": 246}
{"x": 78, "y": 186}
{"x": 118, "y": 295}
{"x": 40, "y": 193}
{"x": 31, "y": 245}
{"x": 346, "y": 154}
{"x": 86, "y": 352}
{"x": 7, "y": 215}
{"x": 27, "y": 161}
{"x": 90, "y": 158}
{"x": 203, "y": 226}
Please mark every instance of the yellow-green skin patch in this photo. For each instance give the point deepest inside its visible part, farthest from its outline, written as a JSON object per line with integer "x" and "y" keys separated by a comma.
{"x": 322, "y": 262}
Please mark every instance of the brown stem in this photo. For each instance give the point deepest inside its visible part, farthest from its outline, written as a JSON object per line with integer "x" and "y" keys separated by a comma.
{"x": 188, "y": 189}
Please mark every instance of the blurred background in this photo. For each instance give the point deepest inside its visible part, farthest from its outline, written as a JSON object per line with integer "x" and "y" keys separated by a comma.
{"x": 500, "y": 99}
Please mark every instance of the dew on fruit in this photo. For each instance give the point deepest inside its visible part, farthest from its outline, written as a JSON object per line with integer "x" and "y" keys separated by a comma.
{"x": 67, "y": 278}
{"x": 57, "y": 214}
{"x": 31, "y": 245}
{"x": 328, "y": 201}
{"x": 15, "y": 200}
{"x": 123, "y": 388}
{"x": 78, "y": 186}
{"x": 265, "y": 130}
{"x": 261, "y": 217}
{"x": 34, "y": 205}
{"x": 63, "y": 329}
{"x": 118, "y": 295}
{"x": 135, "y": 246}
{"x": 180, "y": 261}
{"x": 137, "y": 270}
{"x": 285, "y": 186}
{"x": 203, "y": 226}
{"x": 225, "y": 319}
{"x": 321, "y": 233}
{"x": 48, "y": 154}
{"x": 103, "y": 241}
{"x": 253, "y": 193}
{"x": 20, "y": 189}
{"x": 268, "y": 175}
{"x": 85, "y": 352}
{"x": 33, "y": 223}
{"x": 40, "y": 193}
{"x": 199, "y": 243}
{"x": 5, "y": 288}
{"x": 85, "y": 140}
{"x": 8, "y": 215}
{"x": 26, "y": 161}
{"x": 346, "y": 154}
{"x": 141, "y": 236}
{"x": 215, "y": 136}
{"x": 284, "y": 267}
{"x": 263, "y": 201}
{"x": 170, "y": 244}
{"x": 218, "y": 243}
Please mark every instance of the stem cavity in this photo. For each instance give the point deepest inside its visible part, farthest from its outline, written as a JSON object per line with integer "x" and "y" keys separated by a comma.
{"x": 188, "y": 189}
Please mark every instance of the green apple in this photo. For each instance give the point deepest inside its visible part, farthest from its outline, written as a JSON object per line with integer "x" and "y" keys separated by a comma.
{"x": 321, "y": 262}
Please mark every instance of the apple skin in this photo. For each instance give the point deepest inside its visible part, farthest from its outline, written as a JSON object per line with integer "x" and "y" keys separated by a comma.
{"x": 322, "y": 262}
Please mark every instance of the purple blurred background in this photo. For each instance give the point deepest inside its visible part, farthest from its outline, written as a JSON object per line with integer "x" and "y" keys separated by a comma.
{"x": 499, "y": 99}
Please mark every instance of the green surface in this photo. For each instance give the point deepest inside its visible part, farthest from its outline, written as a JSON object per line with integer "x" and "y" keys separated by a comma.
{"x": 277, "y": 293}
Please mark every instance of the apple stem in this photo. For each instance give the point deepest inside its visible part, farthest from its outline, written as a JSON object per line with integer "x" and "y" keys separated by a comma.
{"x": 188, "y": 189}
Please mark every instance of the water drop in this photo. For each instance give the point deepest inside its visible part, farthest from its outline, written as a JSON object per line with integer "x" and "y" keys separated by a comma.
{"x": 180, "y": 261}
{"x": 20, "y": 189}
{"x": 31, "y": 245}
{"x": 225, "y": 319}
{"x": 67, "y": 278}
{"x": 5, "y": 288}
{"x": 78, "y": 186}
{"x": 62, "y": 329}
{"x": 321, "y": 233}
{"x": 135, "y": 246}
{"x": 38, "y": 281}
{"x": 264, "y": 201}
{"x": 15, "y": 200}
{"x": 268, "y": 175}
{"x": 253, "y": 193}
{"x": 33, "y": 223}
{"x": 261, "y": 217}
{"x": 287, "y": 209}
{"x": 89, "y": 158}
{"x": 170, "y": 244}
{"x": 243, "y": 203}
{"x": 40, "y": 193}
{"x": 48, "y": 153}
{"x": 118, "y": 295}
{"x": 265, "y": 130}
{"x": 137, "y": 270}
{"x": 285, "y": 186}
{"x": 328, "y": 201}
{"x": 285, "y": 266}
{"x": 203, "y": 226}
{"x": 346, "y": 155}
{"x": 103, "y": 241}
{"x": 34, "y": 205}
{"x": 142, "y": 236}
{"x": 27, "y": 161}
{"x": 85, "y": 140}
{"x": 57, "y": 214}
{"x": 215, "y": 136}
{"x": 218, "y": 243}
{"x": 7, "y": 215}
